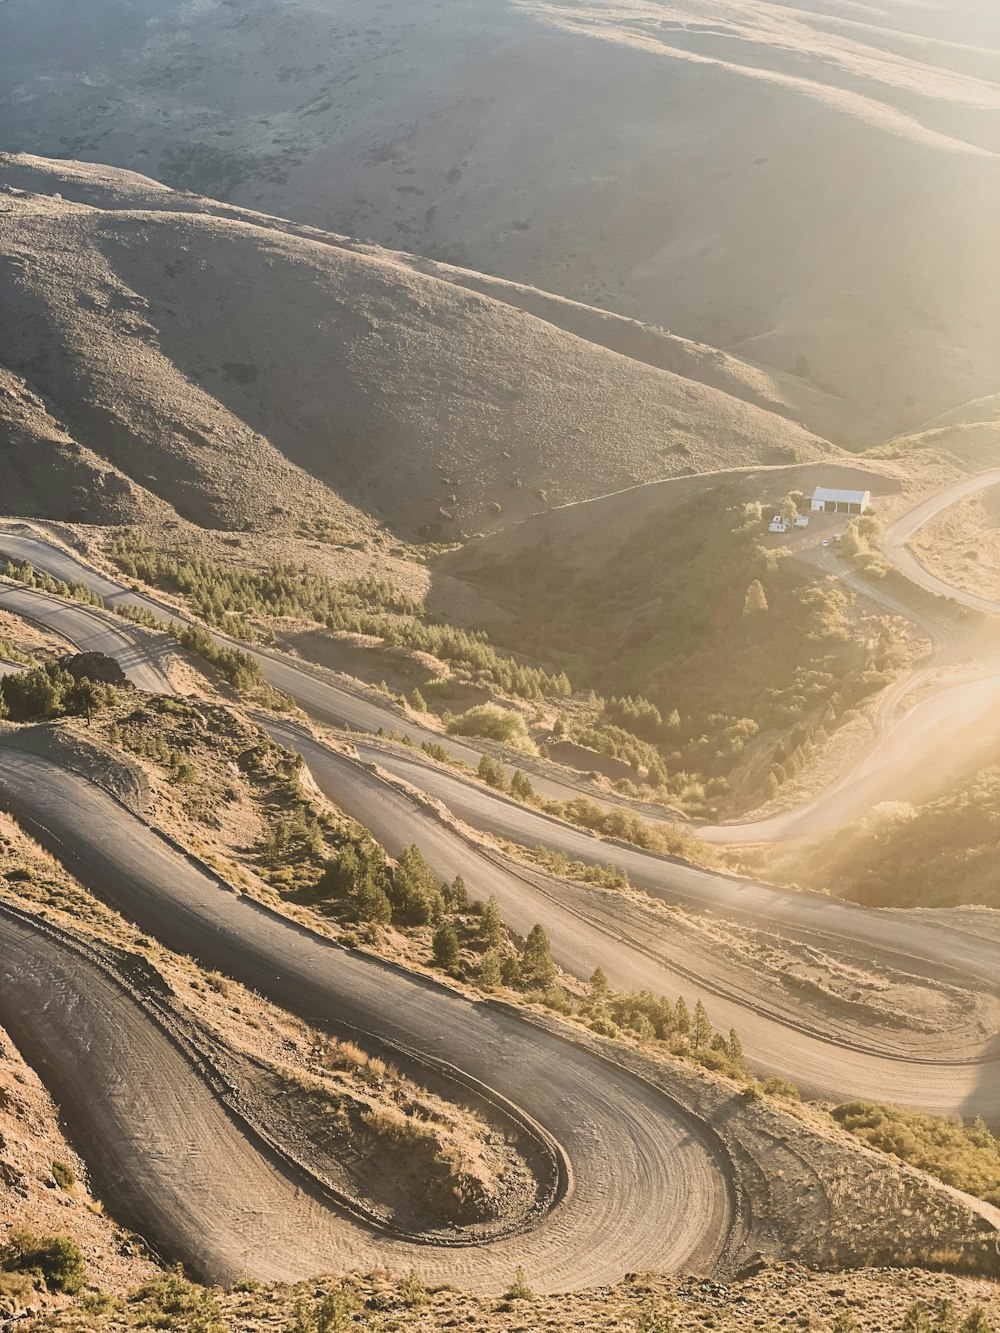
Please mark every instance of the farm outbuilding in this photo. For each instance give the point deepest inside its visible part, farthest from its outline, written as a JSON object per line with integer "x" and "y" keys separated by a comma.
{"x": 827, "y": 500}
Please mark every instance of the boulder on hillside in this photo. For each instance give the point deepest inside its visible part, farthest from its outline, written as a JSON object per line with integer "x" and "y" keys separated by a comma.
{"x": 94, "y": 666}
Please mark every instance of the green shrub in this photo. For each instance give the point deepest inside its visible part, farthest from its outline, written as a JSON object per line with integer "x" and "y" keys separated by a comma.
{"x": 447, "y": 953}
{"x": 782, "y": 1089}
{"x": 519, "y": 1289}
{"x": 172, "y": 1301}
{"x": 53, "y": 1260}
{"x": 63, "y": 1175}
{"x": 494, "y": 723}
{"x": 966, "y": 1157}
{"x": 411, "y": 1290}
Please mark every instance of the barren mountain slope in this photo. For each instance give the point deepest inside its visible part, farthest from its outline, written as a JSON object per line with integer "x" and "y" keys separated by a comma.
{"x": 786, "y": 394}
{"x": 49, "y": 475}
{"x": 248, "y": 375}
{"x": 812, "y": 185}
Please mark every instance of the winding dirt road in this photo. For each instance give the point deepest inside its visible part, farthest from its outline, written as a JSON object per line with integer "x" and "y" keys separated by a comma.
{"x": 666, "y": 1201}
{"x": 669, "y": 1200}
{"x": 916, "y": 753}
{"x": 898, "y": 534}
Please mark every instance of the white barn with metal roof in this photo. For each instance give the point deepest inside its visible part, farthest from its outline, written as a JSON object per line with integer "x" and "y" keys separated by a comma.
{"x": 829, "y": 500}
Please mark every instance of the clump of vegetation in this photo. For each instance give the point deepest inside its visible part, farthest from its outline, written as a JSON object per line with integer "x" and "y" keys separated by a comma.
{"x": 233, "y": 598}
{"x": 618, "y": 823}
{"x": 607, "y": 876}
{"x": 235, "y": 666}
{"x": 172, "y": 1301}
{"x": 11, "y": 653}
{"x": 361, "y": 881}
{"x": 25, "y": 573}
{"x": 939, "y": 1316}
{"x": 493, "y": 723}
{"x": 53, "y": 1262}
{"x": 471, "y": 942}
{"x": 336, "y": 1312}
{"x": 518, "y": 1289}
{"x": 963, "y": 1156}
{"x": 63, "y": 1175}
{"x": 51, "y": 691}
{"x": 860, "y": 545}
{"x": 937, "y": 855}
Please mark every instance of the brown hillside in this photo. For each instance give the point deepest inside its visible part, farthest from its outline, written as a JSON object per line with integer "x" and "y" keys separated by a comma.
{"x": 48, "y": 474}
{"x": 813, "y": 186}
{"x": 247, "y": 375}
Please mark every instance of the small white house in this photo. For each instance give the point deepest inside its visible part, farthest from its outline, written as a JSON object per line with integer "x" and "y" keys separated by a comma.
{"x": 801, "y": 520}
{"x": 829, "y": 500}
{"x": 778, "y": 524}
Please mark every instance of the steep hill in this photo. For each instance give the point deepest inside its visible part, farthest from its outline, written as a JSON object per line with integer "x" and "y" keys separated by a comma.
{"x": 249, "y": 373}
{"x": 46, "y": 472}
{"x": 811, "y": 185}
{"x": 731, "y": 654}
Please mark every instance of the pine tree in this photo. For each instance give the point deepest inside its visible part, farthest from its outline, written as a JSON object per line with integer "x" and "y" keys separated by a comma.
{"x": 490, "y": 976}
{"x": 414, "y": 890}
{"x": 510, "y": 971}
{"x": 445, "y": 946}
{"x": 682, "y": 1017}
{"x": 536, "y": 962}
{"x": 701, "y": 1028}
{"x": 598, "y": 986}
{"x": 491, "y": 924}
{"x": 492, "y": 773}
{"x": 417, "y": 702}
{"x": 520, "y": 787}
{"x": 457, "y": 896}
{"x": 755, "y": 600}
{"x": 735, "y": 1047}
{"x": 372, "y": 903}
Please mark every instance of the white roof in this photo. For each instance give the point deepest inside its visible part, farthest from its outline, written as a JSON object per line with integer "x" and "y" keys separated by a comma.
{"x": 842, "y": 497}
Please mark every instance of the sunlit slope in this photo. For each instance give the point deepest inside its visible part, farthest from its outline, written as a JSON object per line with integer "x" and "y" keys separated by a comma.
{"x": 676, "y": 594}
{"x": 810, "y": 185}
{"x": 247, "y": 374}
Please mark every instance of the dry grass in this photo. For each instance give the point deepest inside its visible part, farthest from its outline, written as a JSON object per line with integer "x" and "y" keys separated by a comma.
{"x": 194, "y": 341}
{"x": 962, "y": 544}
{"x": 772, "y": 204}
{"x": 769, "y": 1297}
